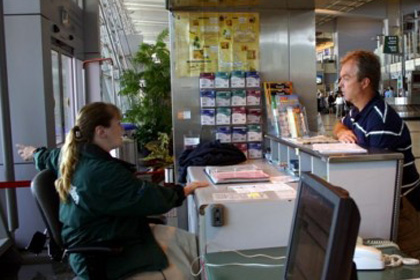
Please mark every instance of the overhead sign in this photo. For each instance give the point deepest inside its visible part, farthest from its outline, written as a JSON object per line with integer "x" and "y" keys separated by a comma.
{"x": 391, "y": 45}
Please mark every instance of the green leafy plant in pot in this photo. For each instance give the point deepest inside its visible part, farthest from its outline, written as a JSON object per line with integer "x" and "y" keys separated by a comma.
{"x": 148, "y": 93}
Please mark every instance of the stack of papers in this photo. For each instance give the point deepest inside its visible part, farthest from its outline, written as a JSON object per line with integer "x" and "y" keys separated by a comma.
{"x": 234, "y": 174}
{"x": 256, "y": 192}
{"x": 319, "y": 139}
{"x": 338, "y": 148}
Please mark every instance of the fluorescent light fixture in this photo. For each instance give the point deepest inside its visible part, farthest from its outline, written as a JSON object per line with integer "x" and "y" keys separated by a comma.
{"x": 143, "y": 5}
{"x": 137, "y": 21}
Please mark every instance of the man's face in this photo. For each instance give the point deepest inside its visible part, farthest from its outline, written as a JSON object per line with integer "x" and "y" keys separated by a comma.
{"x": 349, "y": 84}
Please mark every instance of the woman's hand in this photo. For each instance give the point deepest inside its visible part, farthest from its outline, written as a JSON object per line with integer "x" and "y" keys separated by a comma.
{"x": 25, "y": 152}
{"x": 191, "y": 187}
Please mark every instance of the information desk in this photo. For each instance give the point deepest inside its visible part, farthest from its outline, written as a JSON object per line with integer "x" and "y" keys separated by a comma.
{"x": 372, "y": 179}
{"x": 260, "y": 220}
{"x": 269, "y": 273}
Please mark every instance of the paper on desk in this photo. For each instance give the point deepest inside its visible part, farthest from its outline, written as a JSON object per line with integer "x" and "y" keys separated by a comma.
{"x": 288, "y": 195}
{"x": 260, "y": 188}
{"x": 284, "y": 179}
{"x": 238, "y": 196}
{"x": 338, "y": 148}
{"x": 282, "y": 190}
{"x": 318, "y": 139}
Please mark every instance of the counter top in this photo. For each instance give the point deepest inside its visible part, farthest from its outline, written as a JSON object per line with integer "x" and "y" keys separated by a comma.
{"x": 373, "y": 154}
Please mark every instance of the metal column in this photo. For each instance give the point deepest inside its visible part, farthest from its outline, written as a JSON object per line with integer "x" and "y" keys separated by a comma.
{"x": 5, "y": 241}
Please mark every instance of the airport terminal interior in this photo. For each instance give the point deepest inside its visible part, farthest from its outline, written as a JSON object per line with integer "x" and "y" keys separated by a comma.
{"x": 261, "y": 76}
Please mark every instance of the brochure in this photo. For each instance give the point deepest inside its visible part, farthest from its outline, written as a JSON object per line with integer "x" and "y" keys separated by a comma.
{"x": 237, "y": 173}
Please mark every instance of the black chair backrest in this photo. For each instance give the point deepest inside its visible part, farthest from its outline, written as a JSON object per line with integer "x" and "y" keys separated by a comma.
{"x": 43, "y": 189}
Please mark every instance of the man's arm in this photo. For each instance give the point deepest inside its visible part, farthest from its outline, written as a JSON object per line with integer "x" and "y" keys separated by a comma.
{"x": 344, "y": 134}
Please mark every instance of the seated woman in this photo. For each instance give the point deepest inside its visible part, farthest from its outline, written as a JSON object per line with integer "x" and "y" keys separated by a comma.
{"x": 102, "y": 200}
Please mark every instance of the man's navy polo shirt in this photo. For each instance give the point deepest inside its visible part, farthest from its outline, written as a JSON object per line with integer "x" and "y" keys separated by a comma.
{"x": 379, "y": 126}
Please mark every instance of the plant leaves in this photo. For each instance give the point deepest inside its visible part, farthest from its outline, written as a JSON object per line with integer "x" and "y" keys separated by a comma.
{"x": 148, "y": 91}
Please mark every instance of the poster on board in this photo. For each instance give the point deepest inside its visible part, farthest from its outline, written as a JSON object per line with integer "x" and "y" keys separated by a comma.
{"x": 212, "y": 42}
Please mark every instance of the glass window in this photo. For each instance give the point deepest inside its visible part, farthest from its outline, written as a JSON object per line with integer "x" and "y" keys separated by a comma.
{"x": 79, "y": 3}
{"x": 58, "y": 114}
{"x": 64, "y": 94}
{"x": 68, "y": 100}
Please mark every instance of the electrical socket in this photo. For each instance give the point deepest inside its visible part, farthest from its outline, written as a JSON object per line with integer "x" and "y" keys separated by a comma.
{"x": 217, "y": 215}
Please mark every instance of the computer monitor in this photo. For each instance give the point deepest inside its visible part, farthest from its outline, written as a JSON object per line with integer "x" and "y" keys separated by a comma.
{"x": 324, "y": 232}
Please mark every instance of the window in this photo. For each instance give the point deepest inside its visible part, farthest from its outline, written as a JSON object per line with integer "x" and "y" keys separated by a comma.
{"x": 64, "y": 94}
{"x": 58, "y": 115}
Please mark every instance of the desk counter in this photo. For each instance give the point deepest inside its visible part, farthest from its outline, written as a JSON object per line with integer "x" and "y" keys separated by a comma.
{"x": 260, "y": 220}
{"x": 373, "y": 180}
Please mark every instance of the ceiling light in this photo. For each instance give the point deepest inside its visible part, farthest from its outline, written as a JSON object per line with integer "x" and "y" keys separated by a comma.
{"x": 139, "y": 21}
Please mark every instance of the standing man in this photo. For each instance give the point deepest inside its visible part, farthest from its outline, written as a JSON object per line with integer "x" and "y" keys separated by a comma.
{"x": 372, "y": 122}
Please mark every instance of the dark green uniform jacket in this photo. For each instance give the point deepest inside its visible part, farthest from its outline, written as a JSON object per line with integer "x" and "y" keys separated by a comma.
{"x": 108, "y": 203}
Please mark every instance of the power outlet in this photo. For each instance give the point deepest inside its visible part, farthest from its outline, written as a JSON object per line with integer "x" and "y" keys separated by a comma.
{"x": 217, "y": 215}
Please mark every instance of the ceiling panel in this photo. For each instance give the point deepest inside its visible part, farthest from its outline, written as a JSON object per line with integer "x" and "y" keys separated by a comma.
{"x": 150, "y": 17}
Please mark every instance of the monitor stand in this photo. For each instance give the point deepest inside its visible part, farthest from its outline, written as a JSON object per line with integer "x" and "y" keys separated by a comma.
{"x": 353, "y": 275}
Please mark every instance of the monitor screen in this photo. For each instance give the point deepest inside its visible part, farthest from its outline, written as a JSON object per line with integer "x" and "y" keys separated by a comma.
{"x": 324, "y": 232}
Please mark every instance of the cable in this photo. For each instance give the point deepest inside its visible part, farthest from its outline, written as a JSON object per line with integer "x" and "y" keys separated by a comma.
{"x": 202, "y": 264}
{"x": 392, "y": 260}
{"x": 245, "y": 255}
{"x": 397, "y": 260}
{"x": 192, "y": 265}
{"x": 410, "y": 261}
{"x": 259, "y": 255}
{"x": 235, "y": 263}
{"x": 243, "y": 264}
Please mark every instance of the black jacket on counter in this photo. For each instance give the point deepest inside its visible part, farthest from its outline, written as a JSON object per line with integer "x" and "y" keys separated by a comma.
{"x": 209, "y": 153}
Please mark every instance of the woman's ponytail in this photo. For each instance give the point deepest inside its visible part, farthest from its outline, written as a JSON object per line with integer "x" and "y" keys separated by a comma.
{"x": 69, "y": 158}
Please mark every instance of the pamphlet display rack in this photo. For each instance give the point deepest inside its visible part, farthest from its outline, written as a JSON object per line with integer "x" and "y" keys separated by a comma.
{"x": 230, "y": 109}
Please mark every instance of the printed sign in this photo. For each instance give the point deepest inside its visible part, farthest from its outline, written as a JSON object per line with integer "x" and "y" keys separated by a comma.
{"x": 391, "y": 45}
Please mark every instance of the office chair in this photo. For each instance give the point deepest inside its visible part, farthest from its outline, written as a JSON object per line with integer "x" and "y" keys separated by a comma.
{"x": 43, "y": 189}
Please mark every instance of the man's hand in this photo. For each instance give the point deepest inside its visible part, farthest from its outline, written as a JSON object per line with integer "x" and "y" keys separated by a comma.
{"x": 344, "y": 134}
{"x": 25, "y": 152}
{"x": 191, "y": 187}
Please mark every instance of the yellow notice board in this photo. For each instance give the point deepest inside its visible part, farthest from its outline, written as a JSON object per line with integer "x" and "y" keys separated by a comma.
{"x": 211, "y": 42}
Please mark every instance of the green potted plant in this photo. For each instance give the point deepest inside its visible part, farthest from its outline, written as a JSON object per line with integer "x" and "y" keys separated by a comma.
{"x": 147, "y": 89}
{"x": 160, "y": 155}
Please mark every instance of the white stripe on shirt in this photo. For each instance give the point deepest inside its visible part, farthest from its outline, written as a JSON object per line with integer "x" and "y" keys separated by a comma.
{"x": 408, "y": 163}
{"x": 412, "y": 184}
{"x": 404, "y": 149}
{"x": 386, "y": 132}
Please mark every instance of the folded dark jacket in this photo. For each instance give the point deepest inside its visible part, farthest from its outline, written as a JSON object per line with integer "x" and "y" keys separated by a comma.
{"x": 208, "y": 153}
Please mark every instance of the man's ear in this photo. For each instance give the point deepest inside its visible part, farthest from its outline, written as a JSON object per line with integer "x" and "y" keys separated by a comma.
{"x": 365, "y": 83}
{"x": 100, "y": 131}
